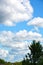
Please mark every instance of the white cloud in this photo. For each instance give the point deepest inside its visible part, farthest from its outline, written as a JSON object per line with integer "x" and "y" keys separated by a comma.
{"x": 36, "y": 29}
{"x": 21, "y": 36}
{"x": 17, "y": 43}
{"x": 36, "y": 22}
{"x": 13, "y": 11}
{"x": 25, "y": 35}
{"x": 3, "y": 53}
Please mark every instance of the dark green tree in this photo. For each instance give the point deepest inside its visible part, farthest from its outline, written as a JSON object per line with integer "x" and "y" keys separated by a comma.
{"x": 40, "y": 61}
{"x": 35, "y": 53}
{"x": 23, "y": 62}
{"x": 36, "y": 50}
{"x": 2, "y": 61}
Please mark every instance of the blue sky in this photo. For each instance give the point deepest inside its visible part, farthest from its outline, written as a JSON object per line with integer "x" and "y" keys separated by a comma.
{"x": 38, "y": 7}
{"x": 21, "y": 21}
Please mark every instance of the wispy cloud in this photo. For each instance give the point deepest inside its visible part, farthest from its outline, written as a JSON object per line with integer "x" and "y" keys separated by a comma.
{"x": 37, "y": 21}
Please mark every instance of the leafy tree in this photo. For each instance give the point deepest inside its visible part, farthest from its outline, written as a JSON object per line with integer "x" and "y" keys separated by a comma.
{"x": 2, "y": 61}
{"x": 8, "y": 63}
{"x": 35, "y": 52}
{"x": 25, "y": 61}
{"x": 40, "y": 61}
{"x": 18, "y": 63}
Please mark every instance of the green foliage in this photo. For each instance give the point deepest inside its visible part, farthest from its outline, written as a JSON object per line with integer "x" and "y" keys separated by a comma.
{"x": 2, "y": 61}
{"x": 36, "y": 51}
{"x": 18, "y": 63}
{"x": 25, "y": 62}
{"x": 40, "y": 61}
{"x": 8, "y": 63}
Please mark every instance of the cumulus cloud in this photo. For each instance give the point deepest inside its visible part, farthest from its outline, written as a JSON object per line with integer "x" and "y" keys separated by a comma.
{"x": 13, "y": 11}
{"x": 18, "y": 39}
{"x": 3, "y": 53}
{"x": 36, "y": 22}
{"x": 25, "y": 35}
{"x": 19, "y": 36}
{"x": 18, "y": 42}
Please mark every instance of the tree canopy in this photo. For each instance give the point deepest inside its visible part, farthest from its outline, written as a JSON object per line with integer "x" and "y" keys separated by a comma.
{"x": 35, "y": 52}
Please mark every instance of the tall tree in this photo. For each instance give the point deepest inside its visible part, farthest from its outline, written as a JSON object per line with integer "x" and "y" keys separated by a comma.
{"x": 35, "y": 53}
{"x": 36, "y": 50}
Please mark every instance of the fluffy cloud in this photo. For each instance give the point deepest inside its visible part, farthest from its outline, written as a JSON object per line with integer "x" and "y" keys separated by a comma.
{"x": 18, "y": 39}
{"x": 3, "y": 53}
{"x": 22, "y": 35}
{"x": 13, "y": 11}
{"x": 17, "y": 43}
{"x": 25, "y": 35}
{"x": 36, "y": 22}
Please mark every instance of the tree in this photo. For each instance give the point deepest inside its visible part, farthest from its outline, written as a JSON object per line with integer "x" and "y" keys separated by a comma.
{"x": 36, "y": 50}
{"x": 8, "y": 63}
{"x": 23, "y": 62}
{"x": 40, "y": 61}
{"x": 2, "y": 61}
